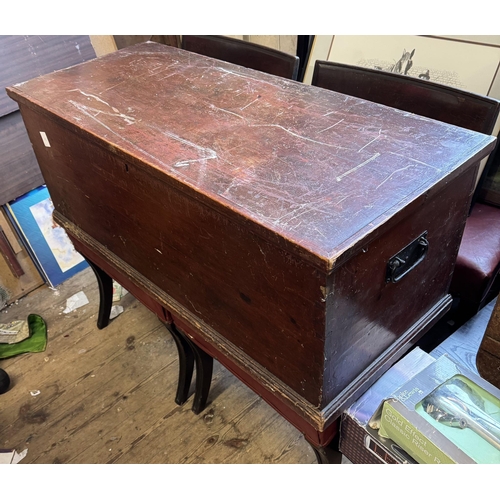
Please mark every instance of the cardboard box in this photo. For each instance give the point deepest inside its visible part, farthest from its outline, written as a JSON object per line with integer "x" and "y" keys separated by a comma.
{"x": 444, "y": 414}
{"x": 361, "y": 443}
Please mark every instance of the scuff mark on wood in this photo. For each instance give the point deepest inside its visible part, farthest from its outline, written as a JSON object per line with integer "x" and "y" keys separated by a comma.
{"x": 340, "y": 177}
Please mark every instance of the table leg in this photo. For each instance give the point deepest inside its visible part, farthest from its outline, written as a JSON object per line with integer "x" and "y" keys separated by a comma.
{"x": 188, "y": 351}
{"x": 4, "y": 381}
{"x": 105, "y": 283}
{"x": 329, "y": 454}
{"x": 186, "y": 363}
{"x": 204, "y": 369}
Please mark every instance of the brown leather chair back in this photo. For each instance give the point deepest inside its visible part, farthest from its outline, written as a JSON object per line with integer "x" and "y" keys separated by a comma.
{"x": 415, "y": 95}
{"x": 250, "y": 55}
{"x": 423, "y": 97}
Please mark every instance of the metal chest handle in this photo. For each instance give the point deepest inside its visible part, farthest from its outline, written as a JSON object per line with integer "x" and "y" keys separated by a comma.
{"x": 407, "y": 259}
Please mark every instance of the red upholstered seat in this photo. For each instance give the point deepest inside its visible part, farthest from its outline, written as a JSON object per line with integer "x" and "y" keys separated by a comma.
{"x": 478, "y": 259}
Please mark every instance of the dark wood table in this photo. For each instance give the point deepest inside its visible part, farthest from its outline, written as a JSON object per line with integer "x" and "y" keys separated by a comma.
{"x": 304, "y": 238}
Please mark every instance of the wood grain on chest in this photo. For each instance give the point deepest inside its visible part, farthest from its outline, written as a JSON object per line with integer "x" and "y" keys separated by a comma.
{"x": 315, "y": 169}
{"x": 260, "y": 211}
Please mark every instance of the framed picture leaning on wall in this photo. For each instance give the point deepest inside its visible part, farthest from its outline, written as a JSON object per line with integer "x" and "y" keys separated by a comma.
{"x": 46, "y": 242}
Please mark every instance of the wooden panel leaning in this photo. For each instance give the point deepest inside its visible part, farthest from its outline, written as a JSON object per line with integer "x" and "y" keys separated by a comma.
{"x": 488, "y": 355}
{"x": 19, "y": 170}
{"x": 243, "y": 53}
{"x": 478, "y": 260}
{"x": 303, "y": 238}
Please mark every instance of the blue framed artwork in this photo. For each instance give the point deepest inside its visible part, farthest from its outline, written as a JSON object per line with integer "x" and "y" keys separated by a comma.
{"x": 46, "y": 241}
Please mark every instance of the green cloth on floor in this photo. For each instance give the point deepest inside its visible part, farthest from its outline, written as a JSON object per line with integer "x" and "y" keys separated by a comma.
{"x": 36, "y": 342}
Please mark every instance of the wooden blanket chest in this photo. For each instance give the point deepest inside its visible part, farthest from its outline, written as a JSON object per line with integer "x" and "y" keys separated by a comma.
{"x": 306, "y": 236}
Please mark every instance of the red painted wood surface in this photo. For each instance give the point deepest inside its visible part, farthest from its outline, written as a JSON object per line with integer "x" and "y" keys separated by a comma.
{"x": 310, "y": 166}
{"x": 260, "y": 211}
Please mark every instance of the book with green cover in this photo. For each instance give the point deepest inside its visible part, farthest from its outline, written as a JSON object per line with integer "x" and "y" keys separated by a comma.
{"x": 445, "y": 414}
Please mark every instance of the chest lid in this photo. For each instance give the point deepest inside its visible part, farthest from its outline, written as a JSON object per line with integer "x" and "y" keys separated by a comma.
{"x": 312, "y": 169}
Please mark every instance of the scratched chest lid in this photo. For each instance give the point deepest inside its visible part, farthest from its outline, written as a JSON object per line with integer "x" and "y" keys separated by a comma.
{"x": 314, "y": 167}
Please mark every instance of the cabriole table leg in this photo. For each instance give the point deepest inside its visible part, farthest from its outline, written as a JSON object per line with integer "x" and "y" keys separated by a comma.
{"x": 105, "y": 283}
{"x": 328, "y": 454}
{"x": 204, "y": 369}
{"x": 189, "y": 352}
{"x": 186, "y": 363}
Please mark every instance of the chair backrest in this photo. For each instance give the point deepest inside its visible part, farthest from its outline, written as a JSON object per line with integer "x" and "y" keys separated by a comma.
{"x": 250, "y": 55}
{"x": 415, "y": 95}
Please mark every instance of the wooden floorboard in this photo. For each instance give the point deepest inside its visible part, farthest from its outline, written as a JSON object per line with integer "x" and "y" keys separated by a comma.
{"x": 107, "y": 396}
